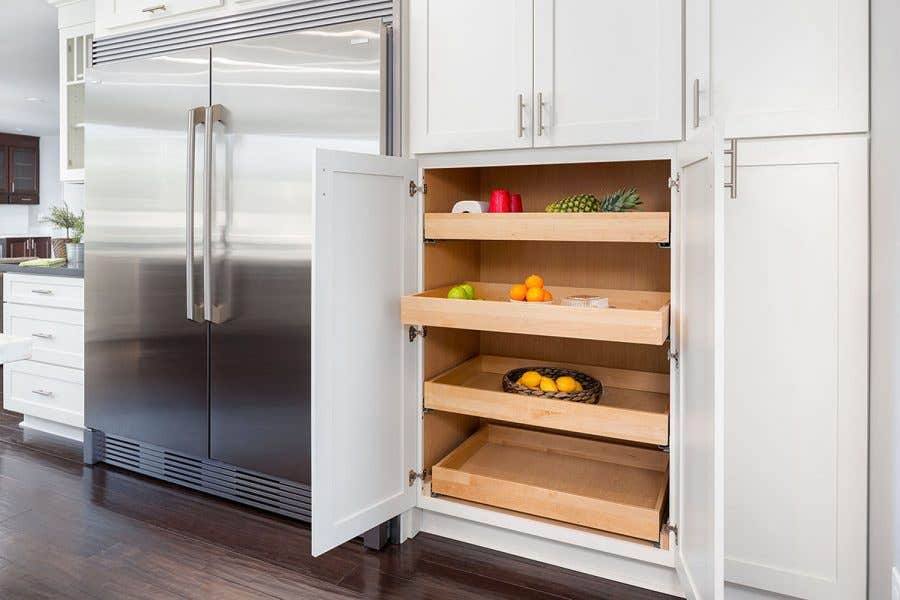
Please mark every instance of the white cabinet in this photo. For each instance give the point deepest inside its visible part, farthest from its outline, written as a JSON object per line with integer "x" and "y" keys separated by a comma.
{"x": 48, "y": 388}
{"x": 606, "y": 71}
{"x": 522, "y": 73}
{"x": 796, "y": 348}
{"x": 788, "y": 68}
{"x": 470, "y": 74}
{"x": 74, "y": 59}
{"x": 112, "y": 14}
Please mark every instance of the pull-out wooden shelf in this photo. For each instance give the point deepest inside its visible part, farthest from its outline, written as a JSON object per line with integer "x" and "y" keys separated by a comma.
{"x": 635, "y": 316}
{"x": 621, "y": 489}
{"x": 553, "y": 227}
{"x": 634, "y": 405}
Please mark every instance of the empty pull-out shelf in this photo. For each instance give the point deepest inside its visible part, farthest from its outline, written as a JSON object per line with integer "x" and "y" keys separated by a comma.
{"x": 648, "y": 227}
{"x": 634, "y": 316}
{"x": 616, "y": 488}
{"x": 634, "y": 405}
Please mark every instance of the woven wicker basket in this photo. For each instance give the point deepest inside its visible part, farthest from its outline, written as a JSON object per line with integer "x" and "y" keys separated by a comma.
{"x": 592, "y": 389}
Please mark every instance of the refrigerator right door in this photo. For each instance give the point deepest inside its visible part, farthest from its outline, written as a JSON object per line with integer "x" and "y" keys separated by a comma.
{"x": 145, "y": 359}
{"x": 276, "y": 100}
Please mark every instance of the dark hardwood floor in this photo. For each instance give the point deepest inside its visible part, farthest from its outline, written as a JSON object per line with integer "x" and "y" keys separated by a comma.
{"x": 71, "y": 531}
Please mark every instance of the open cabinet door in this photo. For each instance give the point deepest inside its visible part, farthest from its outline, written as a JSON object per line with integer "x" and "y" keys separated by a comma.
{"x": 365, "y": 236}
{"x": 701, "y": 482}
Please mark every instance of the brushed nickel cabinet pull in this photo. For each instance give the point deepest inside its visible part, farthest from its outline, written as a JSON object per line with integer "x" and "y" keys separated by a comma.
{"x": 732, "y": 152}
{"x": 43, "y": 336}
{"x": 520, "y": 106}
{"x": 42, "y": 392}
{"x": 540, "y": 113}
{"x": 696, "y": 103}
{"x": 153, "y": 9}
{"x": 43, "y": 292}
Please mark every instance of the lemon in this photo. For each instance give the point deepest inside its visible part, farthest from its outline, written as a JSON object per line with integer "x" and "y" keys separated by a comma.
{"x": 531, "y": 378}
{"x": 566, "y": 384}
{"x": 548, "y": 385}
{"x": 578, "y": 387}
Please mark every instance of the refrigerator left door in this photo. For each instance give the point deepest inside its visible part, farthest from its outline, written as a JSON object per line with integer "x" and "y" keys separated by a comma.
{"x": 145, "y": 360}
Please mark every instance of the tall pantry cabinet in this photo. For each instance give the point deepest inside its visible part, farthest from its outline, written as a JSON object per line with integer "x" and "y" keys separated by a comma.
{"x": 785, "y": 88}
{"x": 795, "y": 110}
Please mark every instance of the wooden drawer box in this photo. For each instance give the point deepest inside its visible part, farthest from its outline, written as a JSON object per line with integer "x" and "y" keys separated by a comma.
{"x": 45, "y": 391}
{"x": 616, "y": 488}
{"x": 58, "y": 333}
{"x": 636, "y": 317}
{"x": 44, "y": 290}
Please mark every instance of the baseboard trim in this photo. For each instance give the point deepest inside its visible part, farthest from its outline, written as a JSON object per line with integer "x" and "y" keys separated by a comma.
{"x": 53, "y": 428}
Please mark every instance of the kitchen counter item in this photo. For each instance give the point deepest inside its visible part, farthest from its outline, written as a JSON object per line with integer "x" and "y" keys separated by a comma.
{"x": 471, "y": 206}
{"x": 43, "y": 262}
{"x": 590, "y": 394}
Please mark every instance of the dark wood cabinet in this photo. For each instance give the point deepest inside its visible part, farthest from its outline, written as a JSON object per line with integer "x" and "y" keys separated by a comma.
{"x": 36, "y": 247}
{"x": 20, "y": 171}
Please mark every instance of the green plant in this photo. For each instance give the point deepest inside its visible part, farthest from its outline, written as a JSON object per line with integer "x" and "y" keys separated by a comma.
{"x": 63, "y": 218}
{"x": 78, "y": 229}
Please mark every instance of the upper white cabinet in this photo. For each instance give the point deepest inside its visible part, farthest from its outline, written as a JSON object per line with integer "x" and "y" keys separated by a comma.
{"x": 470, "y": 74}
{"x": 796, "y": 364}
{"x": 523, "y": 73}
{"x": 75, "y": 57}
{"x": 606, "y": 71}
{"x": 788, "y": 68}
{"x": 119, "y": 13}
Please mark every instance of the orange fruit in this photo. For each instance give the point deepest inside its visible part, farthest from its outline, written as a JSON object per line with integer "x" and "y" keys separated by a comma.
{"x": 535, "y": 295}
{"x": 534, "y": 281}
{"x": 518, "y": 291}
{"x": 548, "y": 297}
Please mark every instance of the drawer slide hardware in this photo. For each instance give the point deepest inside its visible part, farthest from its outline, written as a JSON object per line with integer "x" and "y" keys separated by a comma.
{"x": 415, "y": 189}
{"x": 415, "y": 331}
{"x": 663, "y": 449}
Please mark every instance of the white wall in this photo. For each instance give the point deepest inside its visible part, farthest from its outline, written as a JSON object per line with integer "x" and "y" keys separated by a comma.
{"x": 884, "y": 446}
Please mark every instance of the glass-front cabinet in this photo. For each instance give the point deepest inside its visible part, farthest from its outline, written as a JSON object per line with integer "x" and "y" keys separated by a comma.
{"x": 75, "y": 58}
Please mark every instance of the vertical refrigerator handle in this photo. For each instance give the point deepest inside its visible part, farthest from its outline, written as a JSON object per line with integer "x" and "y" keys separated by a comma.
{"x": 196, "y": 116}
{"x": 214, "y": 114}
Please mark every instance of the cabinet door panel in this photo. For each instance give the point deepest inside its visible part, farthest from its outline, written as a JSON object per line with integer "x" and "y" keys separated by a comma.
{"x": 607, "y": 71}
{"x": 790, "y": 68}
{"x": 796, "y": 368}
{"x": 23, "y": 170}
{"x": 121, "y": 13}
{"x": 469, "y": 62}
{"x": 4, "y": 172}
{"x": 16, "y": 247}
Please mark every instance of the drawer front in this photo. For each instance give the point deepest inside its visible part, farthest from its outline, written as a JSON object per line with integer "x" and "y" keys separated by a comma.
{"x": 125, "y": 13}
{"x": 45, "y": 391}
{"x": 44, "y": 290}
{"x": 58, "y": 333}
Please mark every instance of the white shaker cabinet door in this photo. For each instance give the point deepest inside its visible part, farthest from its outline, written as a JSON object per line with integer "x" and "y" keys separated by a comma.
{"x": 606, "y": 71}
{"x": 796, "y": 368}
{"x": 790, "y": 68}
{"x": 470, "y": 75}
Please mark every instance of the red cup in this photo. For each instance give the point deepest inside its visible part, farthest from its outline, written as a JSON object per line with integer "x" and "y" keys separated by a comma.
{"x": 515, "y": 203}
{"x": 500, "y": 202}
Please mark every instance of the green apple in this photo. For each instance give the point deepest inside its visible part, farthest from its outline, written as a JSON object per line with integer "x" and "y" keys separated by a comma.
{"x": 470, "y": 291}
{"x": 458, "y": 293}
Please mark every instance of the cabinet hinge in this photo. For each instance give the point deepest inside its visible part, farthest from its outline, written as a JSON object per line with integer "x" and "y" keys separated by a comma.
{"x": 672, "y": 529}
{"x": 675, "y": 183}
{"x": 415, "y": 189}
{"x": 413, "y": 475}
{"x": 673, "y": 356}
{"x": 416, "y": 331}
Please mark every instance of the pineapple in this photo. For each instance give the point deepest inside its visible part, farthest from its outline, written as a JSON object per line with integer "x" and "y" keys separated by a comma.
{"x": 621, "y": 201}
{"x": 575, "y": 204}
{"x": 624, "y": 199}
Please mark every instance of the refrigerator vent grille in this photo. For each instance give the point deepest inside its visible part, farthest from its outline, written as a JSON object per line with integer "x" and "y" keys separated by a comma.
{"x": 304, "y": 14}
{"x": 227, "y": 481}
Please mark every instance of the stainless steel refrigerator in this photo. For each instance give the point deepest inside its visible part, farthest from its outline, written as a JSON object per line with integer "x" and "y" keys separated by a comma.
{"x": 199, "y": 183}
